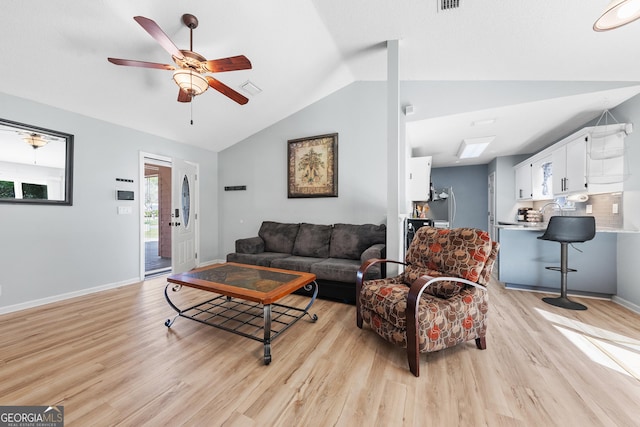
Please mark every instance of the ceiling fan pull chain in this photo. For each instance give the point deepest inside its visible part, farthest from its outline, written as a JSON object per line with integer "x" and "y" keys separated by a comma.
{"x": 191, "y": 93}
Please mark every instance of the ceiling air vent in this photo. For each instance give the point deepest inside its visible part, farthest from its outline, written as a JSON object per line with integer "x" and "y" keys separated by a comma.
{"x": 449, "y": 4}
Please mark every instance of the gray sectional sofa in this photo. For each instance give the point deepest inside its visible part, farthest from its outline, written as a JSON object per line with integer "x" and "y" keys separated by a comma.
{"x": 332, "y": 252}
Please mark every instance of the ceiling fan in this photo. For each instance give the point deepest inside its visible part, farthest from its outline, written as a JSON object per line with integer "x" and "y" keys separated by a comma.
{"x": 190, "y": 66}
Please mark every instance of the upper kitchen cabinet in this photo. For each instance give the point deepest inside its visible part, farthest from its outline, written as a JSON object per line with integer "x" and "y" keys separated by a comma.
{"x": 541, "y": 173}
{"x": 533, "y": 178}
{"x": 523, "y": 181}
{"x": 570, "y": 166}
{"x": 591, "y": 160}
{"x": 419, "y": 180}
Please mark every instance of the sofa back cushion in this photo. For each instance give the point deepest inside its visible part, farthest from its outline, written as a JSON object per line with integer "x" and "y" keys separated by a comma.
{"x": 460, "y": 252}
{"x": 312, "y": 241}
{"x": 278, "y": 237}
{"x": 348, "y": 241}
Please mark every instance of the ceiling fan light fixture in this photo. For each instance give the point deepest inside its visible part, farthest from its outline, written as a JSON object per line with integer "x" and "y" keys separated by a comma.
{"x": 35, "y": 140}
{"x": 190, "y": 82}
{"x": 617, "y": 14}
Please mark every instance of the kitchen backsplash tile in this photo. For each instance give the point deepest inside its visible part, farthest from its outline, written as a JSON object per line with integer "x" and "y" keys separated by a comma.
{"x": 601, "y": 209}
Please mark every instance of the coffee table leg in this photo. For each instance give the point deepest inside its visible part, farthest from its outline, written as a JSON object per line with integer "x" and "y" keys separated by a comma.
{"x": 267, "y": 334}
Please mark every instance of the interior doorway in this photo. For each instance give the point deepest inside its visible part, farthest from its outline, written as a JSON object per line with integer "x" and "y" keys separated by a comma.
{"x": 157, "y": 216}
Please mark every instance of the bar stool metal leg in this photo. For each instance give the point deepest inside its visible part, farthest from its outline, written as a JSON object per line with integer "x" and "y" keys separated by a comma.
{"x": 562, "y": 300}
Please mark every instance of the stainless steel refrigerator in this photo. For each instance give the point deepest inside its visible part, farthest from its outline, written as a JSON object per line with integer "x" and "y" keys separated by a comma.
{"x": 442, "y": 208}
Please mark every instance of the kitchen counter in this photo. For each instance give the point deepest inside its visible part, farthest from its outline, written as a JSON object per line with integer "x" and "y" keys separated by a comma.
{"x": 523, "y": 257}
{"x": 539, "y": 226}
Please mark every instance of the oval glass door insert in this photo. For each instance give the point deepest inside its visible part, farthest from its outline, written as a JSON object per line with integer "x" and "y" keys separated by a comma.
{"x": 186, "y": 200}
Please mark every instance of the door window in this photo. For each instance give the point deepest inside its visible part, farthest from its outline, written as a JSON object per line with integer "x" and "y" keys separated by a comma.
{"x": 186, "y": 200}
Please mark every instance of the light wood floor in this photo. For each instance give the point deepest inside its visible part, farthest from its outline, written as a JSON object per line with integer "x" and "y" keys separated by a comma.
{"x": 109, "y": 359}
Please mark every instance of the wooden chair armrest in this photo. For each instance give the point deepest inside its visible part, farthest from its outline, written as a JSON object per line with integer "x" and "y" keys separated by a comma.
{"x": 411, "y": 313}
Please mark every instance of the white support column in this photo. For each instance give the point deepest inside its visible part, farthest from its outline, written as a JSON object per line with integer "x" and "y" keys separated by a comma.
{"x": 394, "y": 158}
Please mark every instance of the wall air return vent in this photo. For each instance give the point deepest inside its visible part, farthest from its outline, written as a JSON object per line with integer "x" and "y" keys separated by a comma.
{"x": 448, "y": 4}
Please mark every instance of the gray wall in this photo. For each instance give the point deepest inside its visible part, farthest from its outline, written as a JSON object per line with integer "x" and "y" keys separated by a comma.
{"x": 470, "y": 187}
{"x": 629, "y": 244}
{"x": 48, "y": 251}
{"x": 358, "y": 114}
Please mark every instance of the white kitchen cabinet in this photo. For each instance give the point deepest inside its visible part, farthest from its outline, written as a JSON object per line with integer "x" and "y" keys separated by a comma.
{"x": 541, "y": 178}
{"x": 523, "y": 181}
{"x": 418, "y": 183}
{"x": 570, "y": 166}
{"x": 591, "y": 160}
{"x": 606, "y": 169}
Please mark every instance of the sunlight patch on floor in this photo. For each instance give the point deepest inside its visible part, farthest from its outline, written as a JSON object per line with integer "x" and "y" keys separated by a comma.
{"x": 609, "y": 349}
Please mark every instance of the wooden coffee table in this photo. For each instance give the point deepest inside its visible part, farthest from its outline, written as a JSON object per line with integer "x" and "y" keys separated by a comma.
{"x": 246, "y": 301}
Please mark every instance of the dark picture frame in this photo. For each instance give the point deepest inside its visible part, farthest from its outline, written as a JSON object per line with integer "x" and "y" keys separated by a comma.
{"x": 57, "y": 148}
{"x": 312, "y": 166}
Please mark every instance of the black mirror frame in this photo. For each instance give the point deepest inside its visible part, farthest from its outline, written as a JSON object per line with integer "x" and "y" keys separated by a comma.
{"x": 68, "y": 169}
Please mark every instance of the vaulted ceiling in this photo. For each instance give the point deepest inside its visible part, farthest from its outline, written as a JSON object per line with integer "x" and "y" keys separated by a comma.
{"x": 55, "y": 52}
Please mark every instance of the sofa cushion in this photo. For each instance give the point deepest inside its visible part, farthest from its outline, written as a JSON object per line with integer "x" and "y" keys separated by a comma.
{"x": 442, "y": 289}
{"x": 341, "y": 270}
{"x": 278, "y": 237}
{"x": 312, "y": 241}
{"x": 295, "y": 263}
{"x": 348, "y": 241}
{"x": 263, "y": 259}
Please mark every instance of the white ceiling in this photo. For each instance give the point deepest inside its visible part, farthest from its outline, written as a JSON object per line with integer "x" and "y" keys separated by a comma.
{"x": 55, "y": 52}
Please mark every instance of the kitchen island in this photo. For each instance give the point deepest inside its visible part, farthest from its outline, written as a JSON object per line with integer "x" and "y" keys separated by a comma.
{"x": 523, "y": 258}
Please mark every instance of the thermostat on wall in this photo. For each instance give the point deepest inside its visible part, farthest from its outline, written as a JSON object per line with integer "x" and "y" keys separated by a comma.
{"x": 124, "y": 195}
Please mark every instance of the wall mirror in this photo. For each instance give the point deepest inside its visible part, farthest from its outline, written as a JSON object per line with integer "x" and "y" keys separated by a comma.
{"x": 36, "y": 165}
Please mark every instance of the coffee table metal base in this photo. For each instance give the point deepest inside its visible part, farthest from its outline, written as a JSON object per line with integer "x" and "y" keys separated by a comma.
{"x": 249, "y": 319}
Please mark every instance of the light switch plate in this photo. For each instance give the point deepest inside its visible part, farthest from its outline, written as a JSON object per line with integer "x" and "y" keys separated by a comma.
{"x": 124, "y": 210}
{"x": 614, "y": 208}
{"x": 589, "y": 209}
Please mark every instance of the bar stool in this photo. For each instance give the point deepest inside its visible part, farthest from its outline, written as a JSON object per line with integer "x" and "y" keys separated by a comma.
{"x": 565, "y": 230}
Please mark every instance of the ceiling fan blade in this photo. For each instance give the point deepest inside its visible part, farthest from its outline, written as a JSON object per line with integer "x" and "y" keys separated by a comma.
{"x": 183, "y": 96}
{"x": 156, "y": 32}
{"x": 134, "y": 63}
{"x": 227, "y": 91}
{"x": 232, "y": 63}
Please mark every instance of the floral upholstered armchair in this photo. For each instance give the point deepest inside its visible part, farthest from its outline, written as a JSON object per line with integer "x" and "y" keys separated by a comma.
{"x": 440, "y": 299}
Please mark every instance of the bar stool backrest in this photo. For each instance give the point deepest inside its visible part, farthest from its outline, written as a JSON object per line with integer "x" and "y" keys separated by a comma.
{"x": 570, "y": 229}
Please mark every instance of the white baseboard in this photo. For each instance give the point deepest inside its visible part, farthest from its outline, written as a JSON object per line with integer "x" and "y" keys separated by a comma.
{"x": 61, "y": 297}
{"x": 626, "y": 304}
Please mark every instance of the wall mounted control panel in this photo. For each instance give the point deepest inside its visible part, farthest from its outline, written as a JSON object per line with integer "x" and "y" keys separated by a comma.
{"x": 124, "y": 195}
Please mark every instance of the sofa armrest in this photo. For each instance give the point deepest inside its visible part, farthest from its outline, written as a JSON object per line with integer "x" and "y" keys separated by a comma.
{"x": 251, "y": 245}
{"x": 375, "y": 251}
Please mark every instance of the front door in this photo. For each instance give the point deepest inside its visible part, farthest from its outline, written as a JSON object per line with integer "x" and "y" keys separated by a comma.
{"x": 184, "y": 216}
